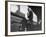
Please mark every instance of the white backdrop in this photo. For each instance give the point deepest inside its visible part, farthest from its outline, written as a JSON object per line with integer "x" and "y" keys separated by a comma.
{"x": 2, "y": 19}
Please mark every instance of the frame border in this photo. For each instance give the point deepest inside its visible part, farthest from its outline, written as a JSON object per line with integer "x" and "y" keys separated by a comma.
{"x": 6, "y": 18}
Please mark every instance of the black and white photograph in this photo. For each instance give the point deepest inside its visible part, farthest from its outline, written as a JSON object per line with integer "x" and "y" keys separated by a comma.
{"x": 25, "y": 18}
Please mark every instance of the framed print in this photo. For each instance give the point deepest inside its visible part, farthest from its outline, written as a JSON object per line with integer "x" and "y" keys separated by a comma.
{"x": 24, "y": 18}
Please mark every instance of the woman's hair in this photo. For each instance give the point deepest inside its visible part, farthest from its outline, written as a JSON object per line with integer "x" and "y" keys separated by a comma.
{"x": 30, "y": 16}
